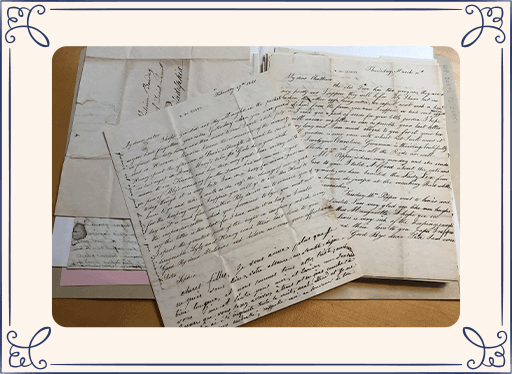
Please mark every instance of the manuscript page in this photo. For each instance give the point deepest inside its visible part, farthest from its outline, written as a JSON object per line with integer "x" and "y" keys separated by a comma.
{"x": 230, "y": 216}
{"x": 376, "y": 134}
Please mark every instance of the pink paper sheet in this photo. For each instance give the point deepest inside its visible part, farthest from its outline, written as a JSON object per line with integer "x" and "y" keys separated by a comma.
{"x": 102, "y": 277}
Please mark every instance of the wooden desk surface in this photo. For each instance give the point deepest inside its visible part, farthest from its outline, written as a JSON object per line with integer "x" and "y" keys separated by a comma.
{"x": 309, "y": 313}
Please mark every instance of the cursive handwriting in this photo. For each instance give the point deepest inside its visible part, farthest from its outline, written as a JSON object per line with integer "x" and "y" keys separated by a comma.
{"x": 229, "y": 210}
{"x": 381, "y": 155}
{"x": 152, "y": 87}
{"x": 263, "y": 281}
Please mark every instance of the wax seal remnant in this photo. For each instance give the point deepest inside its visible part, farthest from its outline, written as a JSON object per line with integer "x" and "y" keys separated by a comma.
{"x": 79, "y": 231}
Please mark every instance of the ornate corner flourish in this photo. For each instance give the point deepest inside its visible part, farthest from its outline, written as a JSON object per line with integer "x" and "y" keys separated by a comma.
{"x": 472, "y": 364}
{"x": 480, "y": 29}
{"x": 21, "y": 14}
{"x": 32, "y": 344}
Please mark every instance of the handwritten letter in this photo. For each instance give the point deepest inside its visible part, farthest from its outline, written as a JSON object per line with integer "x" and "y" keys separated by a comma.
{"x": 376, "y": 135}
{"x": 98, "y": 243}
{"x": 232, "y": 220}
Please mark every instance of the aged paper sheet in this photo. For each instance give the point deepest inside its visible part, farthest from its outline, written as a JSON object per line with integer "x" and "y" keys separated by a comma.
{"x": 376, "y": 134}
{"x": 230, "y": 216}
{"x": 122, "y": 83}
{"x": 104, "y": 243}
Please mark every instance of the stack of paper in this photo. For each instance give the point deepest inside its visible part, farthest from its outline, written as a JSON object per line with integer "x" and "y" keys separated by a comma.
{"x": 259, "y": 194}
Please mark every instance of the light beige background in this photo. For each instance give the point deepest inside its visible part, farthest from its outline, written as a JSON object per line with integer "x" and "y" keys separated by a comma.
{"x": 31, "y": 185}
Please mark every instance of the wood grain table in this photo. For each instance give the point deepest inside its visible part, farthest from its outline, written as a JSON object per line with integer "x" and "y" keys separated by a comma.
{"x": 309, "y": 313}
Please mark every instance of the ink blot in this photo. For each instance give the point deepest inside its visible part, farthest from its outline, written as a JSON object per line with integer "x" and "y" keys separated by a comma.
{"x": 79, "y": 232}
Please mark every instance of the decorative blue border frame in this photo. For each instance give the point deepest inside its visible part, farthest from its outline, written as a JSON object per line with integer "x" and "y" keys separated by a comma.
{"x": 22, "y": 360}
{"x": 255, "y": 9}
